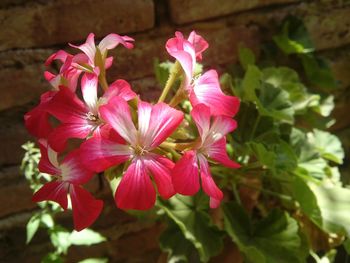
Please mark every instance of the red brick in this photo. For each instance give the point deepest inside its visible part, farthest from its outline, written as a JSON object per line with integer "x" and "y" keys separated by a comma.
{"x": 185, "y": 11}
{"x": 53, "y": 22}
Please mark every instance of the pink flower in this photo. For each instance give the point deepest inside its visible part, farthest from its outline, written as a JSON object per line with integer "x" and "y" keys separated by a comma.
{"x": 81, "y": 119}
{"x": 71, "y": 175}
{"x": 212, "y": 145}
{"x": 155, "y": 124}
{"x": 69, "y": 71}
{"x": 205, "y": 89}
{"x": 109, "y": 42}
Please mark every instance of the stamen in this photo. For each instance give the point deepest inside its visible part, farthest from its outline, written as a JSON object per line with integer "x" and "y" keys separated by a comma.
{"x": 91, "y": 117}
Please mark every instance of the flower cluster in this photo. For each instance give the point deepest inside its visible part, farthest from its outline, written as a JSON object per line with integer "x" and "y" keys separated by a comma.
{"x": 114, "y": 126}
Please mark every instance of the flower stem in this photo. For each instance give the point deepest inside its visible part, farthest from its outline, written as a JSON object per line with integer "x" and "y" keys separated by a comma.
{"x": 255, "y": 126}
{"x": 103, "y": 81}
{"x": 172, "y": 77}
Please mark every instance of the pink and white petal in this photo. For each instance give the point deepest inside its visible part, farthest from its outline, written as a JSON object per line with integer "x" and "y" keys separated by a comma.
{"x": 48, "y": 161}
{"x": 217, "y": 152}
{"x": 163, "y": 122}
{"x": 117, "y": 114}
{"x": 98, "y": 154}
{"x": 59, "y": 136}
{"x": 67, "y": 107}
{"x": 60, "y": 55}
{"x": 73, "y": 170}
{"x": 119, "y": 88}
{"x": 88, "y": 48}
{"x": 199, "y": 44}
{"x": 53, "y": 191}
{"x": 185, "y": 176}
{"x": 201, "y": 116}
{"x": 220, "y": 127}
{"x": 144, "y": 110}
{"x": 208, "y": 183}
{"x": 160, "y": 168}
{"x": 135, "y": 190}
{"x": 89, "y": 83}
{"x": 85, "y": 207}
{"x": 113, "y": 40}
{"x": 183, "y": 51}
{"x": 207, "y": 90}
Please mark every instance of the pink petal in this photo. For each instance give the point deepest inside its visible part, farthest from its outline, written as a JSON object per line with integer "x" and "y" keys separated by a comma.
{"x": 117, "y": 114}
{"x": 221, "y": 126}
{"x": 73, "y": 170}
{"x": 201, "y": 116}
{"x": 98, "y": 153}
{"x": 160, "y": 167}
{"x": 67, "y": 107}
{"x": 37, "y": 120}
{"x": 113, "y": 40}
{"x": 53, "y": 191}
{"x": 59, "y": 55}
{"x": 207, "y": 90}
{"x": 208, "y": 183}
{"x": 135, "y": 190}
{"x": 163, "y": 122}
{"x": 119, "y": 88}
{"x": 199, "y": 44}
{"x": 185, "y": 174}
{"x": 89, "y": 83}
{"x": 85, "y": 207}
{"x": 48, "y": 161}
{"x": 59, "y": 136}
{"x": 108, "y": 62}
{"x": 88, "y": 48}
{"x": 214, "y": 203}
{"x": 183, "y": 51}
{"x": 217, "y": 152}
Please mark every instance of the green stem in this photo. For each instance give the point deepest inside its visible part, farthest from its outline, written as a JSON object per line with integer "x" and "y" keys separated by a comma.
{"x": 103, "y": 81}
{"x": 281, "y": 196}
{"x": 172, "y": 77}
{"x": 235, "y": 193}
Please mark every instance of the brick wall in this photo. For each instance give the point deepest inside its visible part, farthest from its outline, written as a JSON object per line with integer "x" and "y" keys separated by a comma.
{"x": 31, "y": 30}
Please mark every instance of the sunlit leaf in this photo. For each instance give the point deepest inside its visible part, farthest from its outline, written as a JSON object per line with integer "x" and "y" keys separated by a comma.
{"x": 60, "y": 239}
{"x": 32, "y": 226}
{"x": 86, "y": 237}
{"x": 246, "y": 57}
{"x": 94, "y": 260}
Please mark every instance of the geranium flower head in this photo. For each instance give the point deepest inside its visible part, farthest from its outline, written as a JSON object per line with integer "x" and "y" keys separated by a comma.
{"x": 137, "y": 144}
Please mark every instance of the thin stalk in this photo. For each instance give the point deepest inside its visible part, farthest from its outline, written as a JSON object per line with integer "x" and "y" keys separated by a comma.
{"x": 235, "y": 193}
{"x": 103, "y": 81}
{"x": 170, "y": 82}
{"x": 281, "y": 196}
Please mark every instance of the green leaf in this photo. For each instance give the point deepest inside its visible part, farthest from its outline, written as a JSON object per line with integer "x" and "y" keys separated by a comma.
{"x": 294, "y": 37}
{"x": 327, "y": 206}
{"x": 86, "y": 237}
{"x": 288, "y": 80}
{"x": 318, "y": 72}
{"x": 265, "y": 156}
{"x": 274, "y": 102}
{"x": 346, "y": 245}
{"x": 250, "y": 83}
{"x": 32, "y": 226}
{"x": 178, "y": 247}
{"x": 94, "y": 260}
{"x": 162, "y": 70}
{"x": 328, "y": 145}
{"x": 272, "y": 239}
{"x": 246, "y": 57}
{"x": 60, "y": 239}
{"x": 189, "y": 213}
